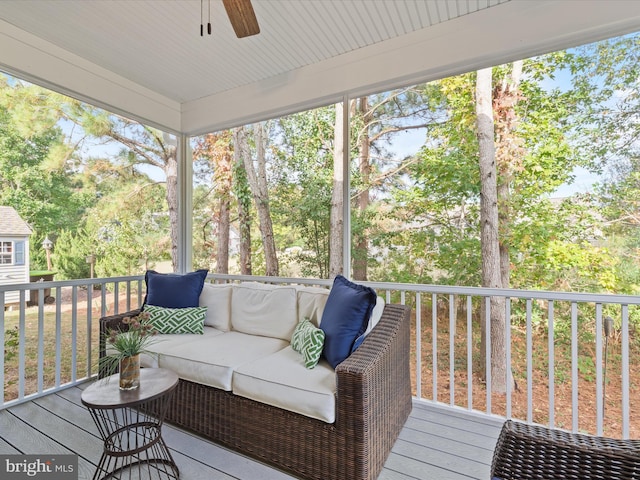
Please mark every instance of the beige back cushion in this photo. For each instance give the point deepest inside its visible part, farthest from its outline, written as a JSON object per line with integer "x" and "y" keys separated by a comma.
{"x": 217, "y": 299}
{"x": 266, "y": 310}
{"x": 311, "y": 302}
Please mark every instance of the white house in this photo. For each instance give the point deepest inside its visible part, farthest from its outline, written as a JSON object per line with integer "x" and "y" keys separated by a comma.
{"x": 14, "y": 251}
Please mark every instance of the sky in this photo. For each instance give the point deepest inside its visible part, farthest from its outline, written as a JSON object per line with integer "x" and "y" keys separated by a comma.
{"x": 583, "y": 183}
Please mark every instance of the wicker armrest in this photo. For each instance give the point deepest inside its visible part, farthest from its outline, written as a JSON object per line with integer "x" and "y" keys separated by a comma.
{"x": 374, "y": 387}
{"x": 534, "y": 452}
{"x": 113, "y": 322}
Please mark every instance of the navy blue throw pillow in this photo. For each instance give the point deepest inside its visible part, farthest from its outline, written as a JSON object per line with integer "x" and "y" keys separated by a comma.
{"x": 172, "y": 290}
{"x": 345, "y": 318}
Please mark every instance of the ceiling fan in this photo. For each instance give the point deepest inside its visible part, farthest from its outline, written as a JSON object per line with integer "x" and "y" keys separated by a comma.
{"x": 241, "y": 15}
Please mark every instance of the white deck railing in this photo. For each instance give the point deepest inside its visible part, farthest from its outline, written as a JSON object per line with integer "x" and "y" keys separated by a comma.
{"x": 555, "y": 345}
{"x": 50, "y": 337}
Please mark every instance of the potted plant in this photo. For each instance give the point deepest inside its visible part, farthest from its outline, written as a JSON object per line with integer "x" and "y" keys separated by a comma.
{"x": 124, "y": 348}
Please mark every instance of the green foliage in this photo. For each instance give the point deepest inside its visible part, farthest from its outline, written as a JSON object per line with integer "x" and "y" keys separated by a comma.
{"x": 11, "y": 349}
{"x": 45, "y": 197}
{"x": 126, "y": 246}
{"x": 302, "y": 173}
{"x": 128, "y": 227}
{"x": 439, "y": 203}
{"x": 11, "y": 343}
{"x": 135, "y": 337}
{"x": 548, "y": 242}
{"x": 580, "y": 266}
{"x": 242, "y": 193}
{"x": 70, "y": 255}
{"x": 607, "y": 73}
{"x": 396, "y": 262}
{"x": 37, "y": 254}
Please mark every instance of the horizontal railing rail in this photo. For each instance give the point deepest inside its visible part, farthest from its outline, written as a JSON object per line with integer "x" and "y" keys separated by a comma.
{"x": 562, "y": 367}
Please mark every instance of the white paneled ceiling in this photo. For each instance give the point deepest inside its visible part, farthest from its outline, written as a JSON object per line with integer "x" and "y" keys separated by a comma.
{"x": 157, "y": 43}
{"x": 146, "y": 58}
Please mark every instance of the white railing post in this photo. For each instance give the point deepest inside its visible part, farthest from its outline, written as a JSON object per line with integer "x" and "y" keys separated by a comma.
{"x": 116, "y": 298}
{"x": 89, "y": 339}
{"x": 469, "y": 353}
{"x": 21, "y": 348}
{"x": 418, "y": 342}
{"x": 103, "y": 298}
{"x": 599, "y": 375}
{"x": 58, "y": 362}
{"x": 74, "y": 332}
{"x": 529, "y": 363}
{"x": 452, "y": 351}
{"x": 552, "y": 364}
{"x": 625, "y": 372}
{"x": 2, "y": 353}
{"x": 129, "y": 296}
{"x": 574, "y": 366}
{"x": 507, "y": 327}
{"x": 487, "y": 336}
{"x": 40, "y": 340}
{"x": 434, "y": 341}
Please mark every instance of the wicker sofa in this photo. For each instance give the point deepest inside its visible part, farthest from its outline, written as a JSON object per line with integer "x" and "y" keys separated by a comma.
{"x": 372, "y": 402}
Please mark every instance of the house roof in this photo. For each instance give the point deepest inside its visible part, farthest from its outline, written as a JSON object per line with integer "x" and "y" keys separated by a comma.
{"x": 12, "y": 224}
{"x": 147, "y": 60}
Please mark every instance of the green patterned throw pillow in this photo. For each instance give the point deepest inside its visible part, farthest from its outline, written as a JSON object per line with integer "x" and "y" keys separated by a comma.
{"x": 177, "y": 320}
{"x": 308, "y": 340}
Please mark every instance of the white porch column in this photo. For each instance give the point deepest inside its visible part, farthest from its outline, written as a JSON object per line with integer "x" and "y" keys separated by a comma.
{"x": 346, "y": 184}
{"x": 185, "y": 204}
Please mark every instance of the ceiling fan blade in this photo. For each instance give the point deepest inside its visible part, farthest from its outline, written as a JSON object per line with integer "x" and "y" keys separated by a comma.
{"x": 242, "y": 17}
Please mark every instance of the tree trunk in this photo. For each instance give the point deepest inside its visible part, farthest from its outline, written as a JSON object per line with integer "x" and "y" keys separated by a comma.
{"x": 223, "y": 181}
{"x": 336, "y": 217}
{"x": 222, "y": 252}
{"x": 258, "y": 181}
{"x": 171, "y": 171}
{"x": 509, "y": 152}
{"x": 243, "y": 194}
{"x": 504, "y": 223}
{"x": 244, "y": 220}
{"x": 361, "y": 243}
{"x": 489, "y": 238}
{"x": 217, "y": 148}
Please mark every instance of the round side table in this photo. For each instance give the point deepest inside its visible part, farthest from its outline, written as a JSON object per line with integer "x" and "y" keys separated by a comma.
{"x": 130, "y": 423}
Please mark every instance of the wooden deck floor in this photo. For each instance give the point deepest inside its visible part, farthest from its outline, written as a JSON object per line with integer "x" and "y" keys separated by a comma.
{"x": 436, "y": 443}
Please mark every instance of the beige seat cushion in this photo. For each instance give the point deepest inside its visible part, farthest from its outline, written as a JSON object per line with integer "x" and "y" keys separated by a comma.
{"x": 167, "y": 342}
{"x": 281, "y": 380}
{"x": 212, "y": 359}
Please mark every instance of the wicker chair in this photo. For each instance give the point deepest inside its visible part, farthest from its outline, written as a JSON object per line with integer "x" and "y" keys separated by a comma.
{"x": 531, "y": 452}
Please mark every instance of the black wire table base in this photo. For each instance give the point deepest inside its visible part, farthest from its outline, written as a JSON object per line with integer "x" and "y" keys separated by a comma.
{"x": 135, "y": 450}
{"x": 133, "y": 445}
